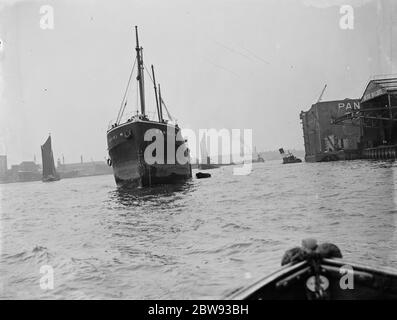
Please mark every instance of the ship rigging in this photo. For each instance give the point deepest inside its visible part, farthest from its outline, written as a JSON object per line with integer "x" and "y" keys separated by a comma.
{"x": 140, "y": 77}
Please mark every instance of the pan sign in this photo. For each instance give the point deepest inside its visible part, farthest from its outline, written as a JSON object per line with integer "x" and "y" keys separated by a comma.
{"x": 348, "y": 106}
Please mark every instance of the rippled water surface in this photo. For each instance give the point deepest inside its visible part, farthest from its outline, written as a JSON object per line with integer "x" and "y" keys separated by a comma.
{"x": 197, "y": 240}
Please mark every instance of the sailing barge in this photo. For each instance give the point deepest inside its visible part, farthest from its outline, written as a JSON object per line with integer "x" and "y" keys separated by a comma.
{"x": 49, "y": 171}
{"x": 127, "y": 145}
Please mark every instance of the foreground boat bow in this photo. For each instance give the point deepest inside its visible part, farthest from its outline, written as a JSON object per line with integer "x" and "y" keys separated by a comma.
{"x": 319, "y": 278}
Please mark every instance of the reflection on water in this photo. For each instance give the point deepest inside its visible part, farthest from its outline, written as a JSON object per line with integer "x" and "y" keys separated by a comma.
{"x": 155, "y": 194}
{"x": 199, "y": 239}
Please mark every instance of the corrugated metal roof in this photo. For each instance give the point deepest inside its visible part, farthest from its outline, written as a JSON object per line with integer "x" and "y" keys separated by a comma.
{"x": 379, "y": 87}
{"x": 387, "y": 83}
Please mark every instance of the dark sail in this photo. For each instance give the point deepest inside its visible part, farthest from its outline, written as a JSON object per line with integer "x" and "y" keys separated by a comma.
{"x": 49, "y": 172}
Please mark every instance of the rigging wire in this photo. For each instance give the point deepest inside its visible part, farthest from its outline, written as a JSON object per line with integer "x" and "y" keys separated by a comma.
{"x": 162, "y": 101}
{"x": 137, "y": 99}
{"x": 166, "y": 109}
{"x": 148, "y": 73}
{"x": 124, "y": 101}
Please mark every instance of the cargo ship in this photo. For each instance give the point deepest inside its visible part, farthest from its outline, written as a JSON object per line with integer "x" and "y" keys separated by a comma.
{"x": 127, "y": 145}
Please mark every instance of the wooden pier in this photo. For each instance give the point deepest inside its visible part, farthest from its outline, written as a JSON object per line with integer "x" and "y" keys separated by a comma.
{"x": 381, "y": 152}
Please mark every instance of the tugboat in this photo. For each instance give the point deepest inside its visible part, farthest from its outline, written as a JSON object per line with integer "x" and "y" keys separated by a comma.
{"x": 288, "y": 157}
{"x": 49, "y": 171}
{"x": 127, "y": 144}
{"x": 316, "y": 272}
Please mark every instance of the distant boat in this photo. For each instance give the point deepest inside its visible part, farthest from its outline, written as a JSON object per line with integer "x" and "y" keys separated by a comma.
{"x": 256, "y": 157}
{"x": 288, "y": 157}
{"x": 49, "y": 171}
{"x": 205, "y": 163}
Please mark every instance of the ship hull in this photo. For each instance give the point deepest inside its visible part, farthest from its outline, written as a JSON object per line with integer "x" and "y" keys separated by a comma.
{"x": 334, "y": 156}
{"x": 204, "y": 166}
{"x": 126, "y": 146}
{"x": 286, "y": 161}
{"x": 51, "y": 179}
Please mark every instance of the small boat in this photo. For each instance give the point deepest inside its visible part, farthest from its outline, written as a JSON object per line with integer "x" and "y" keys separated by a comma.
{"x": 202, "y": 175}
{"x": 316, "y": 272}
{"x": 49, "y": 171}
{"x": 256, "y": 157}
{"x": 288, "y": 157}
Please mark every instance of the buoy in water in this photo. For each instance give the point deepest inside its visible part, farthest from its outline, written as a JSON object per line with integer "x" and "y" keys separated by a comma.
{"x": 201, "y": 175}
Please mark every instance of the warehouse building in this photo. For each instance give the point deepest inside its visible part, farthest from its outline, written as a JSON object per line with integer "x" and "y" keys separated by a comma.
{"x": 326, "y": 140}
{"x": 378, "y": 114}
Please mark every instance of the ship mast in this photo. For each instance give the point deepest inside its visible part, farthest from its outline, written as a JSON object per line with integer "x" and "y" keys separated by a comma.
{"x": 155, "y": 93}
{"x": 139, "y": 58}
{"x": 160, "y": 104}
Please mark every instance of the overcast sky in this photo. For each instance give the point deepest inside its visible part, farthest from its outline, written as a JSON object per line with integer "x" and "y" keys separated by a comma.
{"x": 221, "y": 63}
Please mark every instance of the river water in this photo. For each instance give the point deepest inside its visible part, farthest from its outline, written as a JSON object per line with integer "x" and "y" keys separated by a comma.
{"x": 197, "y": 240}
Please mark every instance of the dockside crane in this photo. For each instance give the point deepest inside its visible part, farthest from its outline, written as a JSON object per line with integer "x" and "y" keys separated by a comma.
{"x": 317, "y": 120}
{"x": 321, "y": 95}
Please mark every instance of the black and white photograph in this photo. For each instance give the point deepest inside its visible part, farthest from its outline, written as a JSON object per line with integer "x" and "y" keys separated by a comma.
{"x": 198, "y": 154}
